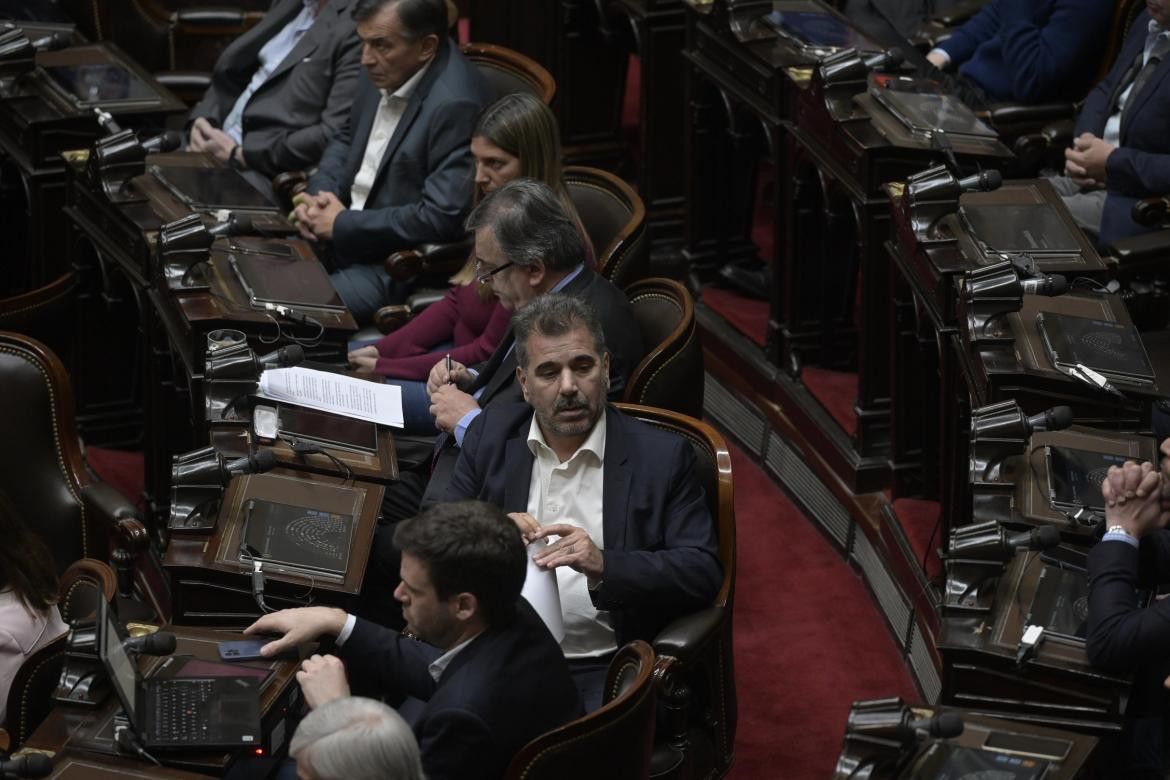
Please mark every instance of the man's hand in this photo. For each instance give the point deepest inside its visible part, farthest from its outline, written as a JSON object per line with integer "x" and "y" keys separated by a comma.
{"x": 439, "y": 377}
{"x": 322, "y": 679}
{"x": 320, "y": 218}
{"x": 303, "y": 624}
{"x": 529, "y": 528}
{"x": 1133, "y": 498}
{"x": 448, "y": 405}
{"x": 301, "y": 215}
{"x": 936, "y": 59}
{"x": 205, "y": 138}
{"x": 574, "y": 549}
{"x": 1085, "y": 162}
{"x": 365, "y": 358}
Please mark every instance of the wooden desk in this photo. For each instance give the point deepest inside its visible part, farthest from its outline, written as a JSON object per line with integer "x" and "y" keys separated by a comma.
{"x": 88, "y": 732}
{"x": 37, "y": 123}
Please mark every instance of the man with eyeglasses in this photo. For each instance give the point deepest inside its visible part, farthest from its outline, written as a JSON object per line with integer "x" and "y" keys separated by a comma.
{"x": 525, "y": 246}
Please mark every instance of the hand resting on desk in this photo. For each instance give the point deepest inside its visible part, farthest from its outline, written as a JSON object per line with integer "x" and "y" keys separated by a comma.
{"x": 297, "y": 626}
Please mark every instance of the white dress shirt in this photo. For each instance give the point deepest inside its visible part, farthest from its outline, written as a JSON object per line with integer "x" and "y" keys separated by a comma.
{"x": 390, "y": 110}
{"x": 22, "y": 633}
{"x": 571, "y": 492}
{"x": 271, "y": 55}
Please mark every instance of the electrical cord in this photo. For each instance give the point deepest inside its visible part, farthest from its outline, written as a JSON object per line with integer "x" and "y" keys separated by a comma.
{"x": 302, "y": 447}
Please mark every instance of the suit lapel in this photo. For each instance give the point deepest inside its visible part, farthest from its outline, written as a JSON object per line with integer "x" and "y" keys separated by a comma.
{"x": 319, "y": 31}
{"x": 518, "y": 472}
{"x": 499, "y": 368}
{"x": 1141, "y": 98}
{"x": 615, "y": 501}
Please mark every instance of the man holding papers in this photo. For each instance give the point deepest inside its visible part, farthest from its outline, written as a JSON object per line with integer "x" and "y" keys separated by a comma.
{"x": 630, "y": 537}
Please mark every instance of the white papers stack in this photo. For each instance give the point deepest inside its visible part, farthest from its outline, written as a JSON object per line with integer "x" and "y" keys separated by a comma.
{"x": 541, "y": 591}
{"x": 328, "y": 392}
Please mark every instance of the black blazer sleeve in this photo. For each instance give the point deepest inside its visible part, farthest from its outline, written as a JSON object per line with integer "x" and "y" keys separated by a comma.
{"x": 456, "y": 744}
{"x": 394, "y": 662}
{"x": 1121, "y": 635}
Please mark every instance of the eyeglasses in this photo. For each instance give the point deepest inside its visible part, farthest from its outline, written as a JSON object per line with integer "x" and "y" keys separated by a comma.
{"x": 483, "y": 278}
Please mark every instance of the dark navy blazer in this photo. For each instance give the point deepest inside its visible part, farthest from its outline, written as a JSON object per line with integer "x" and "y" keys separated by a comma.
{"x": 1121, "y": 635}
{"x": 1032, "y": 50}
{"x": 422, "y": 190}
{"x": 1140, "y": 166}
{"x": 508, "y": 686}
{"x": 660, "y": 551}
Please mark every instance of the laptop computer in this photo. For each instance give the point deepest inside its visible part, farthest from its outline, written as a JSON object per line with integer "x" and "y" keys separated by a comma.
{"x": 190, "y": 713}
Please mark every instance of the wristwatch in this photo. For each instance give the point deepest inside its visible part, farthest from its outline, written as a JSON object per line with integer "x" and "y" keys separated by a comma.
{"x": 1119, "y": 529}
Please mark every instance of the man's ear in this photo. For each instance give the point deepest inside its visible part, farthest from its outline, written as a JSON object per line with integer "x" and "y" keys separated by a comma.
{"x": 522, "y": 378}
{"x": 465, "y": 606}
{"x": 536, "y": 274}
{"x": 430, "y": 45}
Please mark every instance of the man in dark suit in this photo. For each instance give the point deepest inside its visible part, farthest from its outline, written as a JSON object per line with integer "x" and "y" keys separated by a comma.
{"x": 1122, "y": 149}
{"x": 490, "y": 674}
{"x": 399, "y": 173}
{"x": 1122, "y": 637}
{"x": 1029, "y": 51}
{"x": 281, "y": 90}
{"x": 635, "y": 542}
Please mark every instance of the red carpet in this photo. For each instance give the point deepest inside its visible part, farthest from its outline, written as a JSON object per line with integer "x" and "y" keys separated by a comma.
{"x": 808, "y": 638}
{"x": 748, "y": 316}
{"x": 836, "y": 390}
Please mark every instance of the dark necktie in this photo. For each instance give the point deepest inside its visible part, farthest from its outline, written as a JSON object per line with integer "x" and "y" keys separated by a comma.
{"x": 1140, "y": 81}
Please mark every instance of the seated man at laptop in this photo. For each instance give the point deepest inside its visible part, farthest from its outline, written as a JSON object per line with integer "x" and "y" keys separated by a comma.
{"x": 281, "y": 90}
{"x": 1121, "y": 152}
{"x": 490, "y": 673}
{"x": 1029, "y": 51}
{"x": 399, "y": 173}
{"x": 631, "y": 538}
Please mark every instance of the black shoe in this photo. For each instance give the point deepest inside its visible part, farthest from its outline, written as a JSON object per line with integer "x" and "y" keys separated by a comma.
{"x": 749, "y": 277}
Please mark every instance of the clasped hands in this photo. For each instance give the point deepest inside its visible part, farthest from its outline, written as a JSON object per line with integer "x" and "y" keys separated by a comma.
{"x": 314, "y": 215}
{"x": 574, "y": 549}
{"x": 1084, "y": 163}
{"x": 1137, "y": 497}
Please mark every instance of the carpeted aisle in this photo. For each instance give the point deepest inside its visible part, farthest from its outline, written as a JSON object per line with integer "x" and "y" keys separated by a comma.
{"x": 808, "y": 638}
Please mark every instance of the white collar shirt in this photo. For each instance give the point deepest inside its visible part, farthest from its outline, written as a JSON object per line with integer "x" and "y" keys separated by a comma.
{"x": 440, "y": 664}
{"x": 571, "y": 492}
{"x": 389, "y": 113}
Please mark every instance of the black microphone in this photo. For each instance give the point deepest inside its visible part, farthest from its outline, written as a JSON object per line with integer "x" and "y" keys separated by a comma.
{"x": 943, "y": 726}
{"x": 1041, "y": 538}
{"x": 984, "y": 181}
{"x": 52, "y": 41}
{"x": 32, "y": 765}
{"x": 237, "y": 224}
{"x": 1055, "y": 419}
{"x": 292, "y": 355}
{"x": 258, "y": 463}
{"x": 1049, "y": 285}
{"x": 890, "y": 58}
{"x": 163, "y": 142}
{"x": 158, "y": 643}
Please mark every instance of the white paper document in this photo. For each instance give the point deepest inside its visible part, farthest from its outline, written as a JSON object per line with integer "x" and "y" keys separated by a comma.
{"x": 541, "y": 591}
{"x": 345, "y": 395}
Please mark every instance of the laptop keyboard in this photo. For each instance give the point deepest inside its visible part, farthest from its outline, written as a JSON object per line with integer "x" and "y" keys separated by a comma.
{"x": 181, "y": 712}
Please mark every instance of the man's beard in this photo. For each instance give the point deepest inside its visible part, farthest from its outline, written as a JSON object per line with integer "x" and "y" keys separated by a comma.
{"x": 551, "y": 423}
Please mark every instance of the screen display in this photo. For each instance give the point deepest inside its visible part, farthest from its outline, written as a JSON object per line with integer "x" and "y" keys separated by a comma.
{"x": 1075, "y": 476}
{"x": 326, "y": 428}
{"x": 945, "y": 761}
{"x": 1111, "y": 348}
{"x": 123, "y": 672}
{"x": 928, "y": 112}
{"x": 97, "y": 83}
{"x": 298, "y": 537}
{"x": 1061, "y": 603}
{"x": 1032, "y": 227}
{"x": 819, "y": 29}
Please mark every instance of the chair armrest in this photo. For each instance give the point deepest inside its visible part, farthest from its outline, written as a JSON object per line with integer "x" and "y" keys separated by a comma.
{"x": 683, "y": 637}
{"x": 1020, "y": 114}
{"x": 1141, "y": 249}
{"x": 184, "y": 80}
{"x": 390, "y": 318}
{"x": 4, "y": 741}
{"x": 288, "y": 185}
{"x": 439, "y": 259}
{"x": 1152, "y": 212}
{"x": 210, "y": 16}
{"x": 959, "y": 12}
{"x": 118, "y": 512}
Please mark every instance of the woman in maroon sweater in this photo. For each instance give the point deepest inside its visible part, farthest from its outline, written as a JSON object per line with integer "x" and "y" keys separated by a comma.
{"x": 516, "y": 137}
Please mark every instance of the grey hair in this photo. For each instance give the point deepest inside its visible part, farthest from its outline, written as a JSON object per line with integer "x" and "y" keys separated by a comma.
{"x": 419, "y": 18}
{"x": 356, "y": 739}
{"x": 554, "y": 314}
{"x": 530, "y": 224}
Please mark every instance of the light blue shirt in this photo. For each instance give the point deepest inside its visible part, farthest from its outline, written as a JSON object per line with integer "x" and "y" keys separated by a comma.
{"x": 465, "y": 420}
{"x": 1156, "y": 39}
{"x": 271, "y": 55}
{"x": 1116, "y": 537}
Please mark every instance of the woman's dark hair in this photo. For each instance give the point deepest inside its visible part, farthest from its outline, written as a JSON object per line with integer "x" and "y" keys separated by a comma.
{"x": 26, "y": 565}
{"x": 469, "y": 547}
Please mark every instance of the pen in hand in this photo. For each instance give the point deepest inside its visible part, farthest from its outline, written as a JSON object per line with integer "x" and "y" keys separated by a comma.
{"x": 450, "y": 380}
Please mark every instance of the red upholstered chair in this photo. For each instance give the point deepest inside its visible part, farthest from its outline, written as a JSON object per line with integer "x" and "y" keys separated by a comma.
{"x": 614, "y": 741}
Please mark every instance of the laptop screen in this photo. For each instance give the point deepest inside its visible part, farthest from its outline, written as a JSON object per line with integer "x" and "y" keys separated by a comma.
{"x": 121, "y": 667}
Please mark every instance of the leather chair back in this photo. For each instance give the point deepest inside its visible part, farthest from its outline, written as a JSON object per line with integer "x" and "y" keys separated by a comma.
{"x": 84, "y": 585}
{"x": 671, "y": 374}
{"x": 31, "y": 696}
{"x": 41, "y": 468}
{"x": 508, "y": 71}
{"x": 614, "y": 219}
{"x": 46, "y": 314}
{"x": 707, "y": 667}
{"x": 615, "y": 741}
